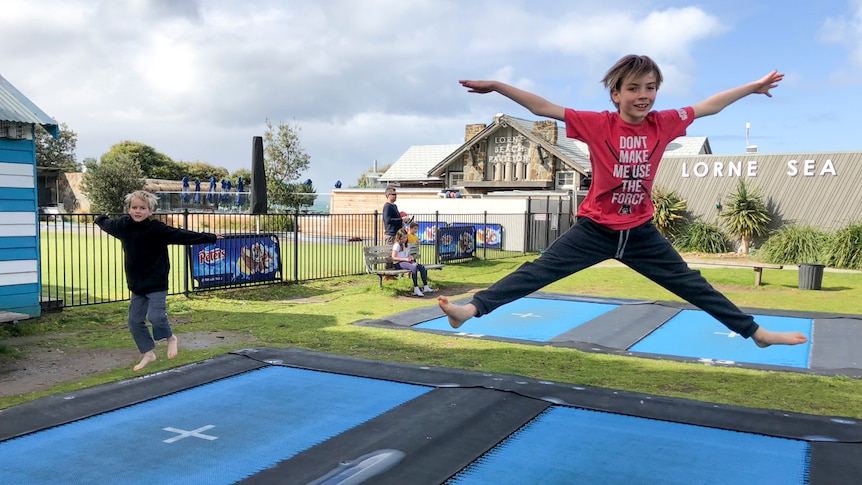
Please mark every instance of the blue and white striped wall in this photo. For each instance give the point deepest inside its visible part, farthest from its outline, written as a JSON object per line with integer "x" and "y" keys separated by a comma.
{"x": 20, "y": 283}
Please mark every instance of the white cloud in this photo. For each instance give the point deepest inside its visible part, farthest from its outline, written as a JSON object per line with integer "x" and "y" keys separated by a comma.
{"x": 364, "y": 80}
{"x": 847, "y": 31}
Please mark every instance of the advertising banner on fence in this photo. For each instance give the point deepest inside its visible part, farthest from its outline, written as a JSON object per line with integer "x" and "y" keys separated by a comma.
{"x": 236, "y": 259}
{"x": 456, "y": 242}
{"x": 428, "y": 231}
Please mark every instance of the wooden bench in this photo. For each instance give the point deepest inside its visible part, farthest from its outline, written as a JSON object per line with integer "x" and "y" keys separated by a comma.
{"x": 378, "y": 260}
{"x": 757, "y": 267}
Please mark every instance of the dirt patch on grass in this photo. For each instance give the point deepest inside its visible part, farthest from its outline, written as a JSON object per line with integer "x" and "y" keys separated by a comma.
{"x": 44, "y": 365}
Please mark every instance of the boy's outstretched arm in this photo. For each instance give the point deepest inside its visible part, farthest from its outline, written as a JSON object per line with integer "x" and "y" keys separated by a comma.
{"x": 718, "y": 102}
{"x": 536, "y": 104}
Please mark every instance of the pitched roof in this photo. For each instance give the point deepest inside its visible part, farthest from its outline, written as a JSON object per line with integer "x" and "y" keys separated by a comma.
{"x": 15, "y": 107}
{"x": 429, "y": 162}
{"x": 416, "y": 162}
{"x": 688, "y": 146}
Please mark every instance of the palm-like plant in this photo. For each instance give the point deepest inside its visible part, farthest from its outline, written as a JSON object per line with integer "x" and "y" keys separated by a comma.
{"x": 669, "y": 212}
{"x": 745, "y": 215}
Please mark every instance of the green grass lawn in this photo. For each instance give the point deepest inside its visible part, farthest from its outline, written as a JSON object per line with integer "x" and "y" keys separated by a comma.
{"x": 318, "y": 316}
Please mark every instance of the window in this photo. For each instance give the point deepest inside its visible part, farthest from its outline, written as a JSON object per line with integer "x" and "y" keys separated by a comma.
{"x": 565, "y": 180}
{"x": 455, "y": 178}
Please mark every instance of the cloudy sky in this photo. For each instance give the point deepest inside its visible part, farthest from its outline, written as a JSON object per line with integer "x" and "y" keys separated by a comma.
{"x": 365, "y": 80}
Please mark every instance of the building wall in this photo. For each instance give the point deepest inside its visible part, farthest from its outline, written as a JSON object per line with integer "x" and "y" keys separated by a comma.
{"x": 425, "y": 203}
{"x": 816, "y": 189}
{"x": 19, "y": 234}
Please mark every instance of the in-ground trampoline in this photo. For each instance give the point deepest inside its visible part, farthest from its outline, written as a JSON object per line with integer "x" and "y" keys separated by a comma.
{"x": 663, "y": 330}
{"x": 293, "y": 416}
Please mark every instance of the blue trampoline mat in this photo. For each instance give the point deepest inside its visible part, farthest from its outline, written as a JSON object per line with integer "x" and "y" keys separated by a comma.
{"x": 217, "y": 433}
{"x": 568, "y": 445}
{"x": 535, "y": 319}
{"x": 694, "y": 333}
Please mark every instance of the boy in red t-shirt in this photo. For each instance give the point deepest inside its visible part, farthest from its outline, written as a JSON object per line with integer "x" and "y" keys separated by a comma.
{"x": 615, "y": 219}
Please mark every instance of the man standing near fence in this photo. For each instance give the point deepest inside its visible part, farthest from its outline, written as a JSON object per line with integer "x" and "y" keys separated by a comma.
{"x": 392, "y": 220}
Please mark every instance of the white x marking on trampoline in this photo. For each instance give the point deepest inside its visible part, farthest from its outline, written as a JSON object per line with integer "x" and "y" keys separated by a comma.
{"x": 525, "y": 315}
{"x": 197, "y": 433}
{"x": 729, "y": 334}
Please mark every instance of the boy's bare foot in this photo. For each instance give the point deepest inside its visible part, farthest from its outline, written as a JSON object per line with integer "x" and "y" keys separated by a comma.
{"x": 458, "y": 314}
{"x": 146, "y": 359}
{"x": 764, "y": 338}
{"x": 172, "y": 346}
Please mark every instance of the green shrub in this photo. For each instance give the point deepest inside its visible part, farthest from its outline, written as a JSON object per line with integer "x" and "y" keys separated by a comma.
{"x": 702, "y": 237}
{"x": 844, "y": 249}
{"x": 669, "y": 216}
{"x": 282, "y": 222}
{"x": 745, "y": 214}
{"x": 794, "y": 244}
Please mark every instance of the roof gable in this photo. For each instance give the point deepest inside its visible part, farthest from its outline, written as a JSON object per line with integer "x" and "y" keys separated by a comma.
{"x": 429, "y": 162}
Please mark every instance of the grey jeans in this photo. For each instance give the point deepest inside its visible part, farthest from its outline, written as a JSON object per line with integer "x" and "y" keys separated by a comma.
{"x": 152, "y": 306}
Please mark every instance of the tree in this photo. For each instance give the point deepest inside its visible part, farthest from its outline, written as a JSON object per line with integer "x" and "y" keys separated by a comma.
{"x": 745, "y": 215}
{"x": 58, "y": 153}
{"x": 284, "y": 159}
{"x": 106, "y": 183}
{"x": 366, "y": 182}
{"x": 300, "y": 195}
{"x": 202, "y": 171}
{"x": 152, "y": 163}
{"x": 245, "y": 173}
{"x": 669, "y": 212}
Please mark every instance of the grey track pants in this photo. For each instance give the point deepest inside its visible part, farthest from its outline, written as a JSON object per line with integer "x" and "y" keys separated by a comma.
{"x": 152, "y": 306}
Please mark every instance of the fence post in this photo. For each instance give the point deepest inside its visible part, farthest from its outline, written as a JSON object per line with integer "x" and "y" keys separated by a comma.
{"x": 187, "y": 276}
{"x": 436, "y": 237}
{"x": 296, "y": 243}
{"x": 374, "y": 226}
{"x": 485, "y": 235}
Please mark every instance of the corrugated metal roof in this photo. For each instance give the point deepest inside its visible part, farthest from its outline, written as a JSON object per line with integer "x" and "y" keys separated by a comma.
{"x": 15, "y": 107}
{"x": 416, "y": 162}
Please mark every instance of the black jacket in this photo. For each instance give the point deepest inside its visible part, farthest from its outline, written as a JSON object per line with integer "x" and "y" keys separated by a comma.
{"x": 145, "y": 245}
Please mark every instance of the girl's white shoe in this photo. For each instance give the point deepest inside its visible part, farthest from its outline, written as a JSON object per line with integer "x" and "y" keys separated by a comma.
{"x": 427, "y": 289}
{"x": 417, "y": 291}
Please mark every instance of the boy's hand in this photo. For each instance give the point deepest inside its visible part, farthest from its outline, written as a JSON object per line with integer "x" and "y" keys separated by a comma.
{"x": 481, "y": 87}
{"x": 768, "y": 82}
{"x": 219, "y": 236}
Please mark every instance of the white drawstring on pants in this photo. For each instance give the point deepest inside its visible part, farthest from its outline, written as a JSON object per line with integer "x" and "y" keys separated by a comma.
{"x": 621, "y": 245}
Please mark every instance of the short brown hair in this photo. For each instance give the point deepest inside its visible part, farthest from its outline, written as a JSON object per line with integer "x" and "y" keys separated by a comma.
{"x": 390, "y": 190}
{"x": 630, "y": 66}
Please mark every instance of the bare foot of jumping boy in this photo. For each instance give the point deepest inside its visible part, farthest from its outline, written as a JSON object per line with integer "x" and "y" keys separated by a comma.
{"x": 458, "y": 314}
{"x": 764, "y": 338}
{"x": 147, "y": 358}
{"x": 172, "y": 346}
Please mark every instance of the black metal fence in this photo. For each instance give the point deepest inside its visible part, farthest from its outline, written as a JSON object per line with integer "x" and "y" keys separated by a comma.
{"x": 82, "y": 265}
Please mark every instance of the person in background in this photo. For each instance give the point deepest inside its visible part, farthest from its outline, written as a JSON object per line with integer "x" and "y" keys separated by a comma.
{"x": 392, "y": 218}
{"x": 145, "y": 247}
{"x": 413, "y": 234}
{"x": 402, "y": 259}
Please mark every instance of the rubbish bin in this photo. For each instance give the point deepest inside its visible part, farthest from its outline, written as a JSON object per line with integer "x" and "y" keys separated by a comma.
{"x": 810, "y": 276}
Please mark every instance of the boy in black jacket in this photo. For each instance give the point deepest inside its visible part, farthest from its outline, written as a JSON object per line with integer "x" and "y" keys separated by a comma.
{"x": 145, "y": 244}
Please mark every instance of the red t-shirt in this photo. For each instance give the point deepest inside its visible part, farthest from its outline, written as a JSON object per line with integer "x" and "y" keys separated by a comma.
{"x": 624, "y": 159}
